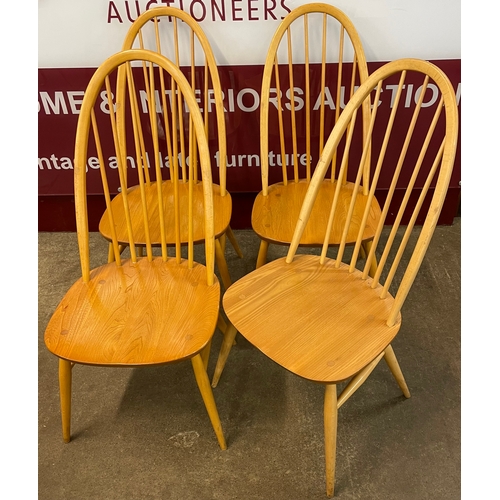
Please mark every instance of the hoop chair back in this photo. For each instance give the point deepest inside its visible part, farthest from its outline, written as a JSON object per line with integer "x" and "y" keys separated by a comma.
{"x": 176, "y": 35}
{"x": 292, "y": 63}
{"x": 314, "y": 63}
{"x": 409, "y": 152}
{"x": 145, "y": 214}
{"x": 323, "y": 317}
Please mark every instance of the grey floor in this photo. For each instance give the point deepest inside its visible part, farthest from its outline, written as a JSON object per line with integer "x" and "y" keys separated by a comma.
{"x": 143, "y": 434}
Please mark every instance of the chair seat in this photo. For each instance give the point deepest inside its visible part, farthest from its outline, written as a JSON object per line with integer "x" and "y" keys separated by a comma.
{"x": 135, "y": 315}
{"x": 274, "y": 216}
{"x": 222, "y": 214}
{"x": 319, "y": 322}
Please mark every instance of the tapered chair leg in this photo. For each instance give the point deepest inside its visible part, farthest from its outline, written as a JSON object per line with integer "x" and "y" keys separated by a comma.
{"x": 205, "y": 354}
{"x": 222, "y": 265}
{"x": 222, "y": 240}
{"x": 65, "y": 369}
{"x": 262, "y": 257}
{"x": 393, "y": 364}
{"x": 362, "y": 252}
{"x": 330, "y": 418}
{"x": 227, "y": 343}
{"x": 208, "y": 398}
{"x": 221, "y": 323}
{"x": 234, "y": 242}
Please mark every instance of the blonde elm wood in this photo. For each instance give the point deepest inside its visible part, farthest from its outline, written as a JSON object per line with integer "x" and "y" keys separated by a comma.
{"x": 205, "y": 353}
{"x": 136, "y": 314}
{"x": 277, "y": 206}
{"x": 232, "y": 238}
{"x": 317, "y": 183}
{"x": 227, "y": 342}
{"x": 274, "y": 216}
{"x": 208, "y": 398}
{"x": 148, "y": 310}
{"x": 222, "y": 209}
{"x": 293, "y": 127}
{"x": 222, "y": 217}
{"x": 222, "y": 325}
{"x": 328, "y": 321}
{"x": 330, "y": 413}
{"x": 392, "y": 362}
{"x": 65, "y": 378}
{"x": 356, "y": 381}
{"x": 322, "y": 323}
{"x": 149, "y": 32}
{"x": 365, "y": 251}
{"x": 222, "y": 265}
{"x": 152, "y": 18}
{"x": 347, "y": 28}
{"x": 262, "y": 255}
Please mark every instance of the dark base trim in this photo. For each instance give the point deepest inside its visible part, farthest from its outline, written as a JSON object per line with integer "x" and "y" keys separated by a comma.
{"x": 57, "y": 213}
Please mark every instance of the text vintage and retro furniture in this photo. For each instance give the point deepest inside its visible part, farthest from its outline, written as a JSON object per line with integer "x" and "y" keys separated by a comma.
{"x": 151, "y": 310}
{"x": 314, "y": 62}
{"x": 326, "y": 320}
{"x": 175, "y": 34}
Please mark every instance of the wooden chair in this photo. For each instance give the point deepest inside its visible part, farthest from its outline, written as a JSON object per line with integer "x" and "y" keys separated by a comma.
{"x": 328, "y": 321}
{"x": 317, "y": 51}
{"x": 175, "y": 34}
{"x": 157, "y": 309}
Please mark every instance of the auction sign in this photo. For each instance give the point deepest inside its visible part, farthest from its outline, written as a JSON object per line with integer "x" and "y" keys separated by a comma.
{"x": 76, "y": 37}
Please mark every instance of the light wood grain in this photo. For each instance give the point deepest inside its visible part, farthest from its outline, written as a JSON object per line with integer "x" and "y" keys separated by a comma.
{"x": 208, "y": 398}
{"x": 321, "y": 318}
{"x": 356, "y": 381}
{"x": 228, "y": 341}
{"x": 330, "y": 422}
{"x": 322, "y": 323}
{"x": 149, "y": 32}
{"x": 65, "y": 380}
{"x": 150, "y": 310}
{"x": 222, "y": 214}
{"x": 137, "y": 314}
{"x": 277, "y": 206}
{"x": 392, "y": 363}
{"x": 274, "y": 216}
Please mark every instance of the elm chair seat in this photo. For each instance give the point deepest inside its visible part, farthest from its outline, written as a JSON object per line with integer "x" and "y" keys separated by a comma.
{"x": 275, "y": 215}
{"x": 222, "y": 205}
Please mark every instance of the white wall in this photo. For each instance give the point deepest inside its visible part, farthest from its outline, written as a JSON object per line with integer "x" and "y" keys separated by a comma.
{"x": 83, "y": 34}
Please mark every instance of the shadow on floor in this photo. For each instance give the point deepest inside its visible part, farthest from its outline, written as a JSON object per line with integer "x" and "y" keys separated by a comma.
{"x": 140, "y": 434}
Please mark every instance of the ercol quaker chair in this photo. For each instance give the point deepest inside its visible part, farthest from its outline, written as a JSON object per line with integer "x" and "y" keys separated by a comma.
{"x": 327, "y": 320}
{"x": 156, "y": 309}
{"x": 317, "y": 52}
{"x": 175, "y": 34}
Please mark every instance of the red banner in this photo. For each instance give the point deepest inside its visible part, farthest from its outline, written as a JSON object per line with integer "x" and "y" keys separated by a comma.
{"x": 61, "y": 93}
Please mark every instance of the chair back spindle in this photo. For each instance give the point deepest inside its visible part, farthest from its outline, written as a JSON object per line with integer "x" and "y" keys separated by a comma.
{"x": 314, "y": 64}
{"x": 187, "y": 45}
{"x": 130, "y": 134}
{"x": 418, "y": 150}
{"x": 301, "y": 132}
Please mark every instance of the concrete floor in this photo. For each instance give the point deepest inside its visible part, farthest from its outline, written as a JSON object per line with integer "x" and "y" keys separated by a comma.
{"x": 140, "y": 434}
